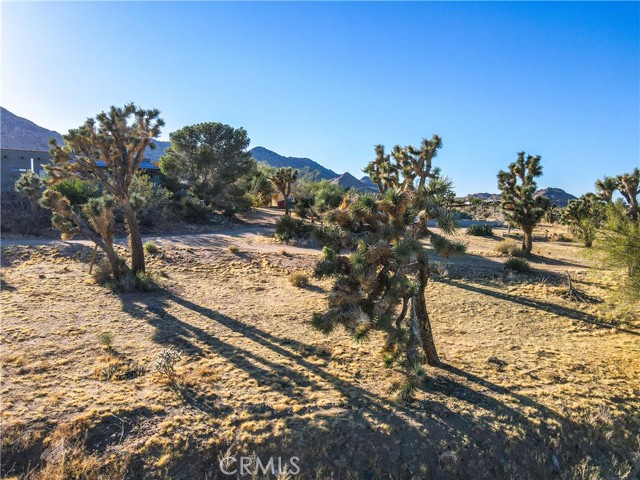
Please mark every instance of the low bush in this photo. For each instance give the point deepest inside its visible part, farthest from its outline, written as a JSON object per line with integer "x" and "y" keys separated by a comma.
{"x": 517, "y": 265}
{"x": 480, "y": 230}
{"x": 76, "y": 190}
{"x": 141, "y": 281}
{"x": 288, "y": 228}
{"x": 151, "y": 248}
{"x": 299, "y": 279}
{"x": 509, "y": 247}
{"x": 166, "y": 361}
{"x": 234, "y": 249}
{"x": 193, "y": 210}
{"x": 106, "y": 339}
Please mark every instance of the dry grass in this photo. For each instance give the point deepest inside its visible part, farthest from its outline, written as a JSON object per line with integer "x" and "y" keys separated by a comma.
{"x": 533, "y": 385}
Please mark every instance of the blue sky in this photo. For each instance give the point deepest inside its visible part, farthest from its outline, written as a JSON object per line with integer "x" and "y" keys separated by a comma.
{"x": 330, "y": 80}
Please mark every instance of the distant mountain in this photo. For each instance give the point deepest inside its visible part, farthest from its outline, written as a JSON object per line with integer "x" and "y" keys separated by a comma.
{"x": 557, "y": 196}
{"x": 278, "y": 161}
{"x": 155, "y": 154}
{"x": 346, "y": 181}
{"x": 366, "y": 180}
{"x": 487, "y": 197}
{"x": 21, "y": 134}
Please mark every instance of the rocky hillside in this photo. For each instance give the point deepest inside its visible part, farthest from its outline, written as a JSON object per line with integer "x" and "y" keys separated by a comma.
{"x": 557, "y": 196}
{"x": 346, "y": 181}
{"x": 299, "y": 163}
{"x": 22, "y": 134}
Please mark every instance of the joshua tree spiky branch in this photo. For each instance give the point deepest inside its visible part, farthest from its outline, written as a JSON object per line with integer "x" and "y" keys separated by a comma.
{"x": 118, "y": 138}
{"x": 381, "y": 284}
{"x": 519, "y": 204}
{"x": 282, "y": 179}
{"x": 30, "y": 185}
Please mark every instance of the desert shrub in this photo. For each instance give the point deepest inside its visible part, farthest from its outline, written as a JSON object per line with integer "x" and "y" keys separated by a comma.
{"x": 327, "y": 195}
{"x": 302, "y": 207}
{"x": 288, "y": 228}
{"x": 128, "y": 282}
{"x": 151, "y": 248}
{"x": 284, "y": 253}
{"x": 193, "y": 210}
{"x": 508, "y": 247}
{"x": 166, "y": 361}
{"x": 234, "y": 249}
{"x": 152, "y": 202}
{"x": 617, "y": 245}
{"x": 145, "y": 282}
{"x": 77, "y": 191}
{"x": 517, "y": 265}
{"x": 105, "y": 339}
{"x": 299, "y": 279}
{"x": 480, "y": 230}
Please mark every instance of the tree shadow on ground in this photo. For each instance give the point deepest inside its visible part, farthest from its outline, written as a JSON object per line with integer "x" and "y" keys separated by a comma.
{"x": 560, "y": 310}
{"x": 371, "y": 436}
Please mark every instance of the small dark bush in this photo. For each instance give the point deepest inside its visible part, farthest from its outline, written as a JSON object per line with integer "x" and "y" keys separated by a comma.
{"x": 480, "y": 230}
{"x": 288, "y": 228}
{"x": 194, "y": 210}
{"x": 517, "y": 265}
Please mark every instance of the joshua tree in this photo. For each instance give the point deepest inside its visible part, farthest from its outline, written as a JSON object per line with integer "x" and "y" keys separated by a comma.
{"x": 519, "y": 204}
{"x": 282, "y": 179}
{"x": 30, "y": 185}
{"x": 628, "y": 184}
{"x": 98, "y": 226}
{"x": 606, "y": 188}
{"x": 381, "y": 284}
{"x": 584, "y": 216}
{"x": 118, "y": 138}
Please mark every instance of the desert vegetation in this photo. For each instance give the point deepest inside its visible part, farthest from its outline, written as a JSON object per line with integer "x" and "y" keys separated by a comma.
{"x": 364, "y": 334}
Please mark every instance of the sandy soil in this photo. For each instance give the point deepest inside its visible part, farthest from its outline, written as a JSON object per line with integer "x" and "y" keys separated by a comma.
{"x": 533, "y": 386}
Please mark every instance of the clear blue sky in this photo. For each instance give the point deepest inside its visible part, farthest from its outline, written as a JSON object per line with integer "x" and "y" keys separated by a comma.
{"x": 330, "y": 80}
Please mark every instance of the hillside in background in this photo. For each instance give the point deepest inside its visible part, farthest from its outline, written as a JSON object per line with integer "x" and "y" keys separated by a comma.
{"x": 22, "y": 134}
{"x": 557, "y": 196}
{"x": 299, "y": 163}
{"x": 18, "y": 133}
{"x": 346, "y": 181}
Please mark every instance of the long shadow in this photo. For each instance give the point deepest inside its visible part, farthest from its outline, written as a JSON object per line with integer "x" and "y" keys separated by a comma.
{"x": 335, "y": 430}
{"x": 537, "y": 304}
{"x": 179, "y": 332}
{"x": 539, "y": 259}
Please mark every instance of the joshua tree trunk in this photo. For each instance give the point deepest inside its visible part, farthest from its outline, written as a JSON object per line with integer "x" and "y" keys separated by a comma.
{"x": 34, "y": 209}
{"x": 286, "y": 204}
{"x": 419, "y": 309}
{"x": 135, "y": 240}
{"x": 527, "y": 239}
